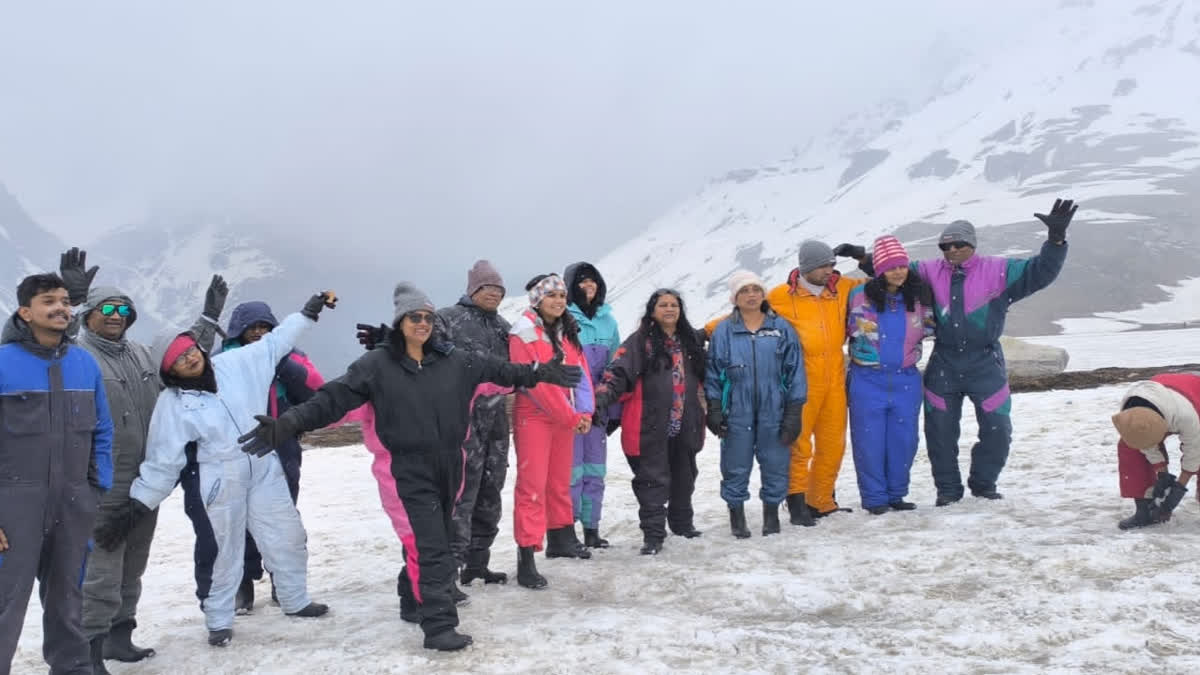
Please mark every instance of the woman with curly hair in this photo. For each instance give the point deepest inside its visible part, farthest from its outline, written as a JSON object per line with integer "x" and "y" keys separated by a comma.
{"x": 658, "y": 373}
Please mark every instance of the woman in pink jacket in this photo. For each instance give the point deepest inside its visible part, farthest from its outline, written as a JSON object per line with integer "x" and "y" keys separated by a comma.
{"x": 545, "y": 422}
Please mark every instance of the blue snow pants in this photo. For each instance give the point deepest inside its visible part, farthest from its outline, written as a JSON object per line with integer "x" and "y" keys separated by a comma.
{"x": 884, "y": 406}
{"x": 739, "y": 448}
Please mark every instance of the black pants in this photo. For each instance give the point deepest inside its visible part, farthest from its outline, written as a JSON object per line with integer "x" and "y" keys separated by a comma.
{"x": 48, "y": 532}
{"x": 477, "y": 515}
{"x": 427, "y": 483}
{"x": 664, "y": 478}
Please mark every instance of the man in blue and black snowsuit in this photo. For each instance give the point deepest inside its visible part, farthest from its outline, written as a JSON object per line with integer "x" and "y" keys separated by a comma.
{"x": 55, "y": 463}
{"x": 971, "y": 296}
{"x": 296, "y": 379}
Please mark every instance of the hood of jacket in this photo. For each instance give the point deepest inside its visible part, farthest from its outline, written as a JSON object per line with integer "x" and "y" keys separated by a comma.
{"x": 16, "y": 330}
{"x": 247, "y": 314}
{"x": 575, "y": 296}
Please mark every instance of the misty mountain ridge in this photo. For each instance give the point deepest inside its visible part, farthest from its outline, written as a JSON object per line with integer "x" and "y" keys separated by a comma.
{"x": 1091, "y": 104}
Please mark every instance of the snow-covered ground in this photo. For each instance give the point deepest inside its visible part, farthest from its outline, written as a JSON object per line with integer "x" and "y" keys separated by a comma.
{"x": 1041, "y": 582}
{"x": 1130, "y": 349}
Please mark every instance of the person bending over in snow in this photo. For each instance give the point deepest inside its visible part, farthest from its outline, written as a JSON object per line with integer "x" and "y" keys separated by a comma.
{"x": 420, "y": 389}
{"x": 209, "y": 401}
{"x": 1164, "y": 405}
{"x": 971, "y": 297}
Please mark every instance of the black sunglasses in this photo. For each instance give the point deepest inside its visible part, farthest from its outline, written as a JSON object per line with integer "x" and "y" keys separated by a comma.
{"x": 108, "y": 308}
{"x": 420, "y": 317}
{"x": 954, "y": 244}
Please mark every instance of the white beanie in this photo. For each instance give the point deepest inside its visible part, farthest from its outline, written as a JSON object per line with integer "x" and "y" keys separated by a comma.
{"x": 741, "y": 279}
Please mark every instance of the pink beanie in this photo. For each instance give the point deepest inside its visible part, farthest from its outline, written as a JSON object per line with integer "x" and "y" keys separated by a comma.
{"x": 888, "y": 254}
{"x": 176, "y": 349}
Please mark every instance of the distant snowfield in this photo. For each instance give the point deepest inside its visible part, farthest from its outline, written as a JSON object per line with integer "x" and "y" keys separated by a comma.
{"x": 1128, "y": 349}
{"x": 1183, "y": 307}
{"x": 1041, "y": 582}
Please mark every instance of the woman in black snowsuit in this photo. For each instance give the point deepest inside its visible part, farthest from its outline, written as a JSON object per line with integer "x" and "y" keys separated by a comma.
{"x": 421, "y": 389}
{"x": 658, "y": 373}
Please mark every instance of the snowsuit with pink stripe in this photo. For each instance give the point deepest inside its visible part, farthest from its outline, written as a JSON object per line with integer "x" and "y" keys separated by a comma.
{"x": 420, "y": 417}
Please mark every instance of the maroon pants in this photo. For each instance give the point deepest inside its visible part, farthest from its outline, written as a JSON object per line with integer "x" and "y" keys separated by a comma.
{"x": 1137, "y": 473}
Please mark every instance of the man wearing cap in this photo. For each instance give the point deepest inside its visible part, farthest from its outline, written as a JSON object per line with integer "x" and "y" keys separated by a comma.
{"x": 474, "y": 325}
{"x": 112, "y": 584}
{"x": 971, "y": 296}
{"x": 814, "y": 301}
{"x": 1152, "y": 410}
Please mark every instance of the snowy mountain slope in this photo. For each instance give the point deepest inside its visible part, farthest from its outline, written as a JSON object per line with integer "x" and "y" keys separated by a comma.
{"x": 24, "y": 248}
{"x": 1089, "y": 104}
{"x": 1040, "y": 582}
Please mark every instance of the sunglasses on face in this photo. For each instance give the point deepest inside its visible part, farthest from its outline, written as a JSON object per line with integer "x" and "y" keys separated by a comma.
{"x": 421, "y": 317}
{"x": 954, "y": 244}
{"x": 108, "y": 308}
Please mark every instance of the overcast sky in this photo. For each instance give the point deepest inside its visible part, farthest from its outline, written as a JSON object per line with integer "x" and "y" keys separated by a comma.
{"x": 569, "y": 125}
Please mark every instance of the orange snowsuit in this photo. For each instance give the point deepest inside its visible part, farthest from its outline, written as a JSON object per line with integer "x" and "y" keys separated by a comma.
{"x": 820, "y": 321}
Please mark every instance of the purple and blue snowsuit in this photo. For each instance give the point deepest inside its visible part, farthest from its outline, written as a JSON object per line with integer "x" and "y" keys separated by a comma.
{"x": 600, "y": 338}
{"x": 884, "y": 392}
{"x": 970, "y": 304}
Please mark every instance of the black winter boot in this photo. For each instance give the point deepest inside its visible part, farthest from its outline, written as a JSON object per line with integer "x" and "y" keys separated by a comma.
{"x": 477, "y": 568}
{"x": 1144, "y": 516}
{"x": 770, "y": 519}
{"x": 447, "y": 641}
{"x": 591, "y": 538}
{"x": 311, "y": 611}
{"x": 737, "y": 522}
{"x": 798, "y": 512}
{"x": 562, "y": 543}
{"x": 527, "y": 574}
{"x": 119, "y": 646}
{"x": 220, "y": 638}
{"x": 243, "y": 602}
{"x": 651, "y": 546}
{"x": 947, "y": 500}
{"x": 901, "y": 505}
{"x": 878, "y": 510}
{"x": 987, "y": 494}
{"x": 460, "y": 599}
{"x": 97, "y": 645}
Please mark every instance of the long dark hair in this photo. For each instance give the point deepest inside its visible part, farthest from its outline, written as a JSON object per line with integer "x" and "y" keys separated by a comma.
{"x": 912, "y": 290}
{"x": 564, "y": 327}
{"x": 657, "y": 356}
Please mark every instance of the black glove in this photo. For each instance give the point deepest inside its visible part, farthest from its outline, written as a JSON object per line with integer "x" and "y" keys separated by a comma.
{"x": 1174, "y": 495}
{"x": 789, "y": 430}
{"x": 554, "y": 372}
{"x": 72, "y": 267}
{"x": 715, "y": 420}
{"x": 214, "y": 297}
{"x": 600, "y": 417}
{"x": 370, "y": 336}
{"x": 1163, "y": 483}
{"x": 117, "y": 524}
{"x": 1058, "y": 220}
{"x": 270, "y": 433}
{"x": 316, "y": 303}
{"x": 850, "y": 251}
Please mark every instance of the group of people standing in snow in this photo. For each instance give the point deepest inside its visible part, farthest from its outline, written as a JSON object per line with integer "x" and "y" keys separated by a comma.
{"x": 97, "y": 433}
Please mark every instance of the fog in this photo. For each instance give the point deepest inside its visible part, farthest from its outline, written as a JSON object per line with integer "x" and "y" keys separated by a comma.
{"x": 535, "y": 134}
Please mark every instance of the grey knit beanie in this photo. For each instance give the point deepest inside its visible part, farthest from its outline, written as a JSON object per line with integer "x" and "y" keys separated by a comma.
{"x": 959, "y": 230}
{"x": 408, "y": 298}
{"x": 814, "y": 254}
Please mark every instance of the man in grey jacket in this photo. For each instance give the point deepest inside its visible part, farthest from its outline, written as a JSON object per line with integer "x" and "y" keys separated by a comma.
{"x": 112, "y": 583}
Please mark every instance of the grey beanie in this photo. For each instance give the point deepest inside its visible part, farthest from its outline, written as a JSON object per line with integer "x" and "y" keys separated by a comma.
{"x": 99, "y": 294}
{"x": 814, "y": 254}
{"x": 408, "y": 298}
{"x": 959, "y": 230}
